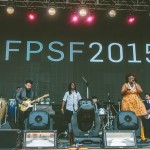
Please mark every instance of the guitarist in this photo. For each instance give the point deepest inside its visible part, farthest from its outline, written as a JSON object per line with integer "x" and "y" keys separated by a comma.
{"x": 22, "y": 95}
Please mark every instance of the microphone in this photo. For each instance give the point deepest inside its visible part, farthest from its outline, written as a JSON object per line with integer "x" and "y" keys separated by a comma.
{"x": 133, "y": 81}
{"x": 84, "y": 80}
{"x": 87, "y": 83}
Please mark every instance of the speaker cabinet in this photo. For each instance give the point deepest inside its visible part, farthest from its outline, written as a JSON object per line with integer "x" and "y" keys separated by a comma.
{"x": 38, "y": 120}
{"x": 10, "y": 138}
{"x": 40, "y": 139}
{"x": 127, "y": 120}
{"x": 119, "y": 139}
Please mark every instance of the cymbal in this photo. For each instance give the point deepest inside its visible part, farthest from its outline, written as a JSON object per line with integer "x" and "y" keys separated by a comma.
{"x": 109, "y": 103}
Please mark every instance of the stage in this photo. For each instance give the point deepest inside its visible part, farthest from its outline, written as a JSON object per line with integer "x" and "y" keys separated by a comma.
{"x": 12, "y": 139}
{"x": 55, "y": 139}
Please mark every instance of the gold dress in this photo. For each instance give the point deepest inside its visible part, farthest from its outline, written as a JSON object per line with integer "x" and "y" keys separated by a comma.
{"x": 132, "y": 102}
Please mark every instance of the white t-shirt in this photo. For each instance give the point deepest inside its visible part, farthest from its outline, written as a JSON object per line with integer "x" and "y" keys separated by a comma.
{"x": 72, "y": 100}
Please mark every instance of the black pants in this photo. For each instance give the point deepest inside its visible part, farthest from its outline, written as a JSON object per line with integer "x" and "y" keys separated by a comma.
{"x": 146, "y": 124}
{"x": 68, "y": 115}
{"x": 22, "y": 117}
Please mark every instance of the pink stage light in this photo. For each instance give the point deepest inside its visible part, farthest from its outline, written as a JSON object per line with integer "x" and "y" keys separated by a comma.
{"x": 90, "y": 19}
{"x": 32, "y": 16}
{"x": 131, "y": 19}
{"x": 74, "y": 18}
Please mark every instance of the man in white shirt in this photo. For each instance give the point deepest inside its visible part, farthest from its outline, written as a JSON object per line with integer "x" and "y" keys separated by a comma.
{"x": 71, "y": 98}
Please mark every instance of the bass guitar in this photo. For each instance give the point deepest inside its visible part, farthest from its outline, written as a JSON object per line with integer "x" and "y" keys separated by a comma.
{"x": 29, "y": 102}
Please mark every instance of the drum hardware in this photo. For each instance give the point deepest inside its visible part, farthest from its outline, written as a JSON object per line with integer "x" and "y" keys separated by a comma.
{"x": 109, "y": 103}
{"x": 109, "y": 123}
{"x": 109, "y": 116}
{"x": 114, "y": 109}
{"x": 119, "y": 104}
{"x": 102, "y": 111}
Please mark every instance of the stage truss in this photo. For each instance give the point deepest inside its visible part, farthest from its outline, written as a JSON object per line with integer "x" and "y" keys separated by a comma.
{"x": 128, "y": 5}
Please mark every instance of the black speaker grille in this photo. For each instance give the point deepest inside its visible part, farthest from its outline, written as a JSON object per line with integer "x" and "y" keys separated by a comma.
{"x": 127, "y": 120}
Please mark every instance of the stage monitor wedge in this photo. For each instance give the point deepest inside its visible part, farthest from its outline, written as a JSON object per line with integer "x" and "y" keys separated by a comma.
{"x": 119, "y": 139}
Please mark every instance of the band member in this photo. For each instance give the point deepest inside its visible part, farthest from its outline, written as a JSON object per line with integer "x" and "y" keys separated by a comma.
{"x": 146, "y": 119}
{"x": 131, "y": 100}
{"x": 96, "y": 103}
{"x": 24, "y": 93}
{"x": 16, "y": 91}
{"x": 71, "y": 98}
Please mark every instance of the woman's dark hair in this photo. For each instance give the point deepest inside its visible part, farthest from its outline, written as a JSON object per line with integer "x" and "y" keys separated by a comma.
{"x": 128, "y": 75}
{"x": 69, "y": 87}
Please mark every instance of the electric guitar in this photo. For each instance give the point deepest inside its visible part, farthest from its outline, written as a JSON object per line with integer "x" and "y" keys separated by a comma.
{"x": 29, "y": 102}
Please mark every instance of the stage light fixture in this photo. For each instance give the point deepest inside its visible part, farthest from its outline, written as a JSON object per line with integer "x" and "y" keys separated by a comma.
{"x": 83, "y": 12}
{"x": 131, "y": 19}
{"x": 112, "y": 12}
{"x": 52, "y": 11}
{"x": 32, "y": 16}
{"x": 90, "y": 19}
{"x": 74, "y": 18}
{"x": 86, "y": 122}
{"x": 10, "y": 10}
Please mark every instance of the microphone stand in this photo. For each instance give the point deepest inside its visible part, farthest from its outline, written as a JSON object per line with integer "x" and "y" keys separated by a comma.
{"x": 87, "y": 87}
{"x": 36, "y": 88}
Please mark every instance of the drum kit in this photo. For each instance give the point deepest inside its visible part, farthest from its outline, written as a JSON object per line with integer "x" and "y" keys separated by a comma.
{"x": 106, "y": 116}
{"x": 8, "y": 110}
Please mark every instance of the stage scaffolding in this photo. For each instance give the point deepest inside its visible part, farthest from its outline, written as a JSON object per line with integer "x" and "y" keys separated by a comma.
{"x": 126, "y": 5}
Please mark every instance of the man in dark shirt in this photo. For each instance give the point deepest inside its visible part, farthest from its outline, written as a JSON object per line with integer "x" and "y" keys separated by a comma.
{"x": 96, "y": 103}
{"x": 24, "y": 94}
{"x": 146, "y": 119}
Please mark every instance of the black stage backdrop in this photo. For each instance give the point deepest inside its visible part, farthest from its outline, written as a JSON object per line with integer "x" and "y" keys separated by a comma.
{"x": 52, "y": 52}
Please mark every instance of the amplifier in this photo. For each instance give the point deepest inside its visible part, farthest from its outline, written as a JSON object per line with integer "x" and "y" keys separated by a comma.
{"x": 40, "y": 139}
{"x": 45, "y": 101}
{"x": 47, "y": 108}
